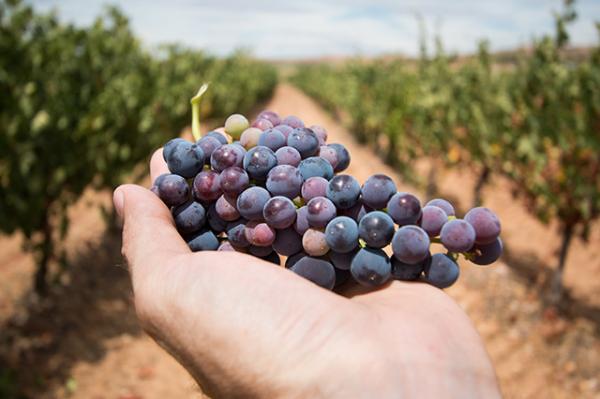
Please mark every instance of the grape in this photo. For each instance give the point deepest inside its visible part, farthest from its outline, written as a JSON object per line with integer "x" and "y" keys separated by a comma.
{"x": 407, "y": 271}
{"x": 250, "y": 202}
{"x": 235, "y": 125}
{"x": 233, "y": 180}
{"x": 226, "y": 246}
{"x": 442, "y": 271}
{"x": 207, "y": 186}
{"x": 315, "y": 186}
{"x": 259, "y": 234}
{"x": 287, "y": 242}
{"x": 284, "y": 180}
{"x": 285, "y": 129}
{"x": 215, "y": 222}
{"x": 170, "y": 146}
{"x": 432, "y": 220}
{"x": 317, "y": 270}
{"x": 314, "y": 242}
{"x": 320, "y": 211}
{"x": 355, "y": 212}
{"x": 262, "y": 124}
{"x": 301, "y": 224}
{"x": 204, "y": 240}
{"x": 291, "y": 261}
{"x": 404, "y": 208}
{"x": 486, "y": 224}
{"x": 305, "y": 141}
{"x": 343, "y": 260}
{"x": 258, "y": 161}
{"x": 189, "y": 217}
{"x": 293, "y": 121}
{"x": 272, "y": 258}
{"x": 410, "y": 244}
{"x": 217, "y": 135}
{"x": 341, "y": 276}
{"x": 185, "y": 159}
{"x": 236, "y": 234}
{"x": 279, "y": 212}
{"x": 487, "y": 254}
{"x": 260, "y": 252}
{"x": 377, "y": 191}
{"x": 226, "y": 208}
{"x": 329, "y": 154}
{"x": 315, "y": 166}
{"x": 288, "y": 156}
{"x": 442, "y": 203}
{"x": 208, "y": 144}
{"x": 371, "y": 267}
{"x": 249, "y": 138}
{"x": 157, "y": 181}
{"x": 272, "y": 138}
{"x": 271, "y": 116}
{"x": 173, "y": 190}
{"x": 227, "y": 156}
{"x": 343, "y": 157}
{"x": 343, "y": 191}
{"x": 458, "y": 235}
{"x": 342, "y": 234}
{"x": 376, "y": 229}
{"x": 320, "y": 132}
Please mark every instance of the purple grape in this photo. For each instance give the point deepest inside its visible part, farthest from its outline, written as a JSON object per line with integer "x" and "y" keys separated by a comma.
{"x": 343, "y": 191}
{"x": 234, "y": 180}
{"x": 442, "y": 203}
{"x": 486, "y": 224}
{"x": 279, "y": 212}
{"x": 404, "y": 208}
{"x": 215, "y": 222}
{"x": 185, "y": 159}
{"x": 157, "y": 181}
{"x": 432, "y": 220}
{"x": 376, "y": 229}
{"x": 487, "y": 254}
{"x": 301, "y": 224}
{"x": 305, "y": 141}
{"x": 293, "y": 121}
{"x": 341, "y": 276}
{"x": 356, "y": 212}
{"x": 285, "y": 129}
{"x": 284, "y": 180}
{"x": 170, "y": 146}
{"x": 249, "y": 138}
{"x": 317, "y": 270}
{"x": 226, "y": 208}
{"x": 272, "y": 258}
{"x": 262, "y": 124}
{"x": 219, "y": 136}
{"x": 250, "y": 202}
{"x": 458, "y": 235}
{"x": 329, "y": 154}
{"x": 189, "y": 217}
{"x": 343, "y": 260}
{"x": 259, "y": 234}
{"x": 287, "y": 242}
{"x": 204, "y": 240}
{"x": 408, "y": 272}
{"x": 320, "y": 211}
{"x": 236, "y": 234}
{"x": 315, "y": 166}
{"x": 207, "y": 186}
{"x": 410, "y": 244}
{"x": 377, "y": 191}
{"x": 371, "y": 267}
{"x": 226, "y": 247}
{"x": 312, "y": 187}
{"x": 291, "y": 261}
{"x": 260, "y": 252}
{"x": 227, "y": 156}
{"x": 342, "y": 234}
{"x": 314, "y": 242}
{"x": 271, "y": 116}
{"x": 258, "y": 161}
{"x": 442, "y": 271}
{"x": 288, "y": 156}
{"x": 272, "y": 138}
{"x": 173, "y": 190}
{"x": 320, "y": 132}
{"x": 343, "y": 157}
{"x": 208, "y": 144}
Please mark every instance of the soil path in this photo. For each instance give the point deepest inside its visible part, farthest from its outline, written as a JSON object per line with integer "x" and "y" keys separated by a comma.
{"x": 87, "y": 345}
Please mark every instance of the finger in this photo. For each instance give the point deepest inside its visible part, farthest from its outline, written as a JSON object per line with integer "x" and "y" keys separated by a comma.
{"x": 158, "y": 166}
{"x": 149, "y": 234}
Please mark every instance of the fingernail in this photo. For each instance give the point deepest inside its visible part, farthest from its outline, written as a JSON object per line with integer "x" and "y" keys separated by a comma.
{"x": 118, "y": 201}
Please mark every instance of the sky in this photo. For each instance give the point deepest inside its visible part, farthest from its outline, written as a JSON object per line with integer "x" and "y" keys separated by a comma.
{"x": 299, "y": 29}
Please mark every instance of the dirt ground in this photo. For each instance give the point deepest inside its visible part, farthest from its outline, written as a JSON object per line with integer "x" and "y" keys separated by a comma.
{"x": 84, "y": 340}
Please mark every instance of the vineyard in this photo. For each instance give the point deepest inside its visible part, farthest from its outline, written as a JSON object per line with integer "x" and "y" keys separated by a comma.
{"x": 536, "y": 122}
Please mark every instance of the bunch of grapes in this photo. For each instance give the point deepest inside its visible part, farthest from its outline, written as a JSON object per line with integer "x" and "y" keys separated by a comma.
{"x": 276, "y": 188}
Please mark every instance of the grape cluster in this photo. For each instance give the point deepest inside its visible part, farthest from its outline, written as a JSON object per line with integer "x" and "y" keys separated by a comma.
{"x": 275, "y": 188}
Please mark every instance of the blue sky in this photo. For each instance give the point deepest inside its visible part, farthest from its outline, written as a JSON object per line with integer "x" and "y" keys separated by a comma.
{"x": 309, "y": 28}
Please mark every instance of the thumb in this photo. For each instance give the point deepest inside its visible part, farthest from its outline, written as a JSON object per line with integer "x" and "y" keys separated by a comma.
{"x": 149, "y": 234}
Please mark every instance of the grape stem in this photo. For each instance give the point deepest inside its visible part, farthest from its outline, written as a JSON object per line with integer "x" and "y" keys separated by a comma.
{"x": 195, "y": 101}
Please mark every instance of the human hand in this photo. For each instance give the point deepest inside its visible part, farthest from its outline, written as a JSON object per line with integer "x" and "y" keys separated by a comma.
{"x": 245, "y": 328}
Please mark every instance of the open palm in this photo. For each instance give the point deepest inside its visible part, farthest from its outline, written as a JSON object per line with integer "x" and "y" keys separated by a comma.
{"x": 245, "y": 328}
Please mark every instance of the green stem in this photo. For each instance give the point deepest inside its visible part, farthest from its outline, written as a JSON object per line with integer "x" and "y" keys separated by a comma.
{"x": 195, "y": 101}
